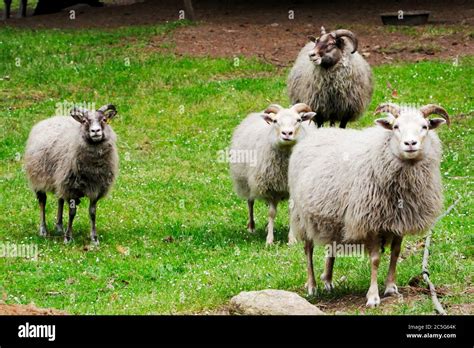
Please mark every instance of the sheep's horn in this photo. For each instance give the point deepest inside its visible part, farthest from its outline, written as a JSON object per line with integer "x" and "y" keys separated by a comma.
{"x": 344, "y": 32}
{"x": 273, "y": 108}
{"x": 301, "y": 107}
{"x": 431, "y": 109}
{"x": 106, "y": 108}
{"x": 393, "y": 109}
{"x": 323, "y": 31}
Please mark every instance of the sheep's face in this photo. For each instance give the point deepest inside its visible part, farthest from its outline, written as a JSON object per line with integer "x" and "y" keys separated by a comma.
{"x": 329, "y": 47}
{"x": 94, "y": 123}
{"x": 327, "y": 50}
{"x": 410, "y": 131}
{"x": 286, "y": 125}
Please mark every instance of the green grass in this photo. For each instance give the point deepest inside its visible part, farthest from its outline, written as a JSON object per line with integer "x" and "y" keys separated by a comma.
{"x": 175, "y": 114}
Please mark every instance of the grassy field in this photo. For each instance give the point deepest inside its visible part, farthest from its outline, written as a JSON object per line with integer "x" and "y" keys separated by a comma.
{"x": 173, "y": 237}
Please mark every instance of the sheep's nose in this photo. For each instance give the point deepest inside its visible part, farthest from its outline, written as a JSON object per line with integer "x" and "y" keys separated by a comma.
{"x": 411, "y": 143}
{"x": 312, "y": 54}
{"x": 286, "y": 133}
{"x": 95, "y": 130}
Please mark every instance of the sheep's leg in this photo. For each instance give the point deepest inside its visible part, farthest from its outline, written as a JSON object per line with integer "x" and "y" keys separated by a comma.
{"x": 390, "y": 286}
{"x": 319, "y": 120}
{"x": 8, "y": 4}
{"x": 23, "y": 5}
{"x": 291, "y": 237}
{"x": 272, "y": 210}
{"x": 72, "y": 214}
{"x": 343, "y": 123}
{"x": 332, "y": 124}
{"x": 373, "y": 298}
{"x": 326, "y": 277}
{"x": 42, "y": 204}
{"x": 311, "y": 283}
{"x": 92, "y": 213}
{"x": 59, "y": 217}
{"x": 251, "y": 223}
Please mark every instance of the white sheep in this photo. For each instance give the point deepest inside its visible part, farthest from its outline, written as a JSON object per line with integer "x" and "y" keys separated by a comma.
{"x": 72, "y": 157}
{"x": 260, "y": 150}
{"x": 332, "y": 78}
{"x": 367, "y": 187}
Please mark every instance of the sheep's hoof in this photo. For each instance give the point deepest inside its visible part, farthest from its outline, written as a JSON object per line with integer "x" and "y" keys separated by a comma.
{"x": 373, "y": 301}
{"x": 328, "y": 286}
{"x": 292, "y": 240}
{"x": 43, "y": 231}
{"x": 59, "y": 228}
{"x": 311, "y": 289}
{"x": 95, "y": 241}
{"x": 67, "y": 239}
{"x": 269, "y": 241}
{"x": 391, "y": 290}
{"x": 251, "y": 227}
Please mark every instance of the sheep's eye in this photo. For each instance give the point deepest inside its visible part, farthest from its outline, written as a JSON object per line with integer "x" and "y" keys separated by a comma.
{"x": 395, "y": 127}
{"x": 298, "y": 120}
{"x": 425, "y": 127}
{"x": 274, "y": 121}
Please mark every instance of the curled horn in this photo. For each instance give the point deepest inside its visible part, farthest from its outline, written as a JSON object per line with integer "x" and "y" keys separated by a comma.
{"x": 343, "y": 32}
{"x": 108, "y": 110}
{"x": 388, "y": 107}
{"x": 107, "y": 107}
{"x": 273, "y": 108}
{"x": 431, "y": 109}
{"x": 301, "y": 107}
{"x": 323, "y": 31}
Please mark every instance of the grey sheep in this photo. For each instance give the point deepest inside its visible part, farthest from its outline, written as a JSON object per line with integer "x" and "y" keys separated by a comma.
{"x": 369, "y": 187}
{"x": 260, "y": 150}
{"x": 332, "y": 78}
{"x": 72, "y": 157}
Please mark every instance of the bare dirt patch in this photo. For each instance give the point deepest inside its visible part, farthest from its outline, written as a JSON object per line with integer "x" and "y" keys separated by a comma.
{"x": 276, "y": 31}
{"x": 31, "y": 309}
{"x": 279, "y": 43}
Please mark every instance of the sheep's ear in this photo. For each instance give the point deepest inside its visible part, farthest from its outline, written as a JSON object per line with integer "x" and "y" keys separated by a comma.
{"x": 268, "y": 118}
{"x": 436, "y": 122}
{"x": 312, "y": 38}
{"x": 78, "y": 114}
{"x": 307, "y": 116}
{"x": 109, "y": 110}
{"x": 340, "y": 43}
{"x": 384, "y": 123}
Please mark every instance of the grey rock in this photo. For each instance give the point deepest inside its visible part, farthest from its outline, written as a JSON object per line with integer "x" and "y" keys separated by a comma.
{"x": 272, "y": 302}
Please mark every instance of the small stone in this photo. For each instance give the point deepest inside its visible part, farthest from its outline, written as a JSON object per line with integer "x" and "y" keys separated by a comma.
{"x": 272, "y": 302}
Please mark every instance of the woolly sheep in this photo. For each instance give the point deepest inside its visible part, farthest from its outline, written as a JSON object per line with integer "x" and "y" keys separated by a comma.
{"x": 267, "y": 138}
{"x": 368, "y": 187}
{"x": 72, "y": 157}
{"x": 332, "y": 78}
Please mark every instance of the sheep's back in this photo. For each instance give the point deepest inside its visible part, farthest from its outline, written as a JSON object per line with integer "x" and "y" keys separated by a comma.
{"x": 321, "y": 174}
{"x": 346, "y": 185}
{"x": 320, "y": 169}
{"x": 267, "y": 177}
{"x": 49, "y": 152}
